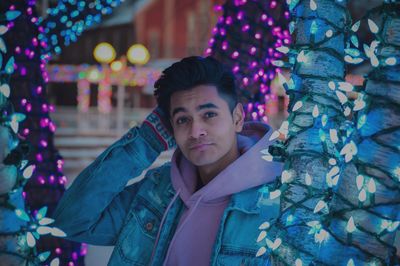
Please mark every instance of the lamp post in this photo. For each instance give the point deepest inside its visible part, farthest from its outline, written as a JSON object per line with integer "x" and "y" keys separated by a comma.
{"x": 105, "y": 54}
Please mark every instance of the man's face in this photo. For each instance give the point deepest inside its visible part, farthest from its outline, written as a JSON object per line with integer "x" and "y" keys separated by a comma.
{"x": 203, "y": 126}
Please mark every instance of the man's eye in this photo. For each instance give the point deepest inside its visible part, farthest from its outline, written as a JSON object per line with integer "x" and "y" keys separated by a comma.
{"x": 181, "y": 120}
{"x": 210, "y": 114}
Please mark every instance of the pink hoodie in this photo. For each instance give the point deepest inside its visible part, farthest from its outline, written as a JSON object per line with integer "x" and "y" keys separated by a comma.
{"x": 195, "y": 235}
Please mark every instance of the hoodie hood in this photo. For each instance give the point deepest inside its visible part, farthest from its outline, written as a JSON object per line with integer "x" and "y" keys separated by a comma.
{"x": 247, "y": 171}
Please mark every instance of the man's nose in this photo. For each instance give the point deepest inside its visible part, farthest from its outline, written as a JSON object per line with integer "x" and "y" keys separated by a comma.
{"x": 197, "y": 130}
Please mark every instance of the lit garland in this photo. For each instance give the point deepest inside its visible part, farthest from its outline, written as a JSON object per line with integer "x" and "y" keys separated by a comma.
{"x": 340, "y": 189}
{"x": 20, "y": 228}
{"x": 66, "y": 22}
{"x": 245, "y": 39}
{"x": 47, "y": 184}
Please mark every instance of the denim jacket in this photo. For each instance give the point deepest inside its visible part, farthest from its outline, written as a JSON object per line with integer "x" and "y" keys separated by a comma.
{"x": 100, "y": 209}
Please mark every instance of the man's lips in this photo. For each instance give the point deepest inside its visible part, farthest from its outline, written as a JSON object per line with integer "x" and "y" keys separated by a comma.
{"x": 198, "y": 146}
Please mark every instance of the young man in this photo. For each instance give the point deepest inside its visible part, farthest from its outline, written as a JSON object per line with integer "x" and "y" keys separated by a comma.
{"x": 202, "y": 208}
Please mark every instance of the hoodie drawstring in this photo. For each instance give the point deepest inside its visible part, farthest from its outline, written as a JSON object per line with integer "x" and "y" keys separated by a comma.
{"x": 181, "y": 226}
{"x": 162, "y": 223}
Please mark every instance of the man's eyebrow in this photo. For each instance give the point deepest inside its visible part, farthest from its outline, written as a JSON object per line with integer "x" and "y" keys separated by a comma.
{"x": 199, "y": 108}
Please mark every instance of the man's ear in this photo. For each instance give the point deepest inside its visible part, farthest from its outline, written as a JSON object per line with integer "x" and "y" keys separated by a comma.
{"x": 238, "y": 117}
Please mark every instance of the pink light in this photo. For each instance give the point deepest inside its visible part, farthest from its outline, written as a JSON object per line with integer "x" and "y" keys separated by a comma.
{"x": 23, "y": 102}
{"x": 12, "y": 7}
{"x": 261, "y": 72}
{"x": 218, "y": 8}
{"x": 34, "y": 20}
{"x": 24, "y": 194}
{"x": 39, "y": 157}
{"x": 39, "y": 89}
{"x": 52, "y": 127}
{"x": 29, "y": 11}
{"x": 253, "y": 64}
{"x": 58, "y": 251}
{"x": 26, "y": 131}
{"x": 254, "y": 115}
{"x": 264, "y": 17}
{"x": 270, "y": 22}
{"x": 228, "y": 21}
{"x": 41, "y": 180}
{"x": 253, "y": 50}
{"x": 257, "y": 36}
{"x": 235, "y": 69}
{"x": 43, "y": 124}
{"x": 208, "y": 51}
{"x": 235, "y": 54}
{"x": 245, "y": 81}
{"x": 211, "y": 41}
{"x": 52, "y": 108}
{"x": 224, "y": 45}
{"x": 222, "y": 31}
{"x": 74, "y": 256}
{"x": 43, "y": 143}
{"x": 286, "y": 41}
{"x": 246, "y": 27}
{"x": 45, "y": 107}
{"x": 71, "y": 263}
{"x": 51, "y": 179}
{"x": 28, "y": 107}
{"x": 214, "y": 30}
{"x": 240, "y": 15}
{"x": 272, "y": 4}
{"x": 18, "y": 50}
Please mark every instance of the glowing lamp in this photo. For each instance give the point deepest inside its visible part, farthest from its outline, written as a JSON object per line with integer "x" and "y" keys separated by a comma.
{"x": 104, "y": 53}
{"x": 138, "y": 54}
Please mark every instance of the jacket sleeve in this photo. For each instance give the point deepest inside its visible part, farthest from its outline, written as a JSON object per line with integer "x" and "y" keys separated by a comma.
{"x": 93, "y": 209}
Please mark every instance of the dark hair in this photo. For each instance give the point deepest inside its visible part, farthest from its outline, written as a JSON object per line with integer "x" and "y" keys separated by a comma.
{"x": 193, "y": 71}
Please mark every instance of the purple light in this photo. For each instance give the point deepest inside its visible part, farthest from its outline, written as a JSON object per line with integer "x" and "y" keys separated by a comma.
{"x": 240, "y": 15}
{"x": 235, "y": 69}
{"x": 218, "y": 8}
{"x": 23, "y": 102}
{"x": 28, "y": 107}
{"x": 246, "y": 27}
{"x": 58, "y": 251}
{"x": 23, "y": 71}
{"x": 253, "y": 50}
{"x": 224, "y": 45}
{"x": 26, "y": 131}
{"x": 228, "y": 21}
{"x": 52, "y": 127}
{"x": 45, "y": 108}
{"x": 43, "y": 143}
{"x": 245, "y": 81}
{"x": 270, "y": 22}
{"x": 264, "y": 17}
{"x": 51, "y": 179}
{"x": 39, "y": 157}
{"x": 41, "y": 180}
{"x": 272, "y": 4}
{"x": 18, "y": 50}
{"x": 74, "y": 256}
{"x": 235, "y": 54}
{"x": 39, "y": 89}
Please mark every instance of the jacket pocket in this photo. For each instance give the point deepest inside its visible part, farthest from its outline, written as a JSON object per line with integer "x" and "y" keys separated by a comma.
{"x": 137, "y": 237}
{"x": 234, "y": 256}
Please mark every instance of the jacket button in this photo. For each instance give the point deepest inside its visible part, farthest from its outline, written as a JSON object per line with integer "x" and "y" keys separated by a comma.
{"x": 149, "y": 226}
{"x": 129, "y": 135}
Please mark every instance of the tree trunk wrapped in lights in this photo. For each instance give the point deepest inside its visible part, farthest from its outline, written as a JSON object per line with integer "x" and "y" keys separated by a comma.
{"x": 340, "y": 190}
{"x": 367, "y": 203}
